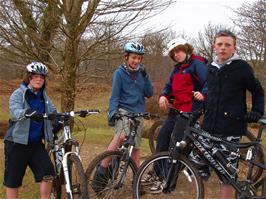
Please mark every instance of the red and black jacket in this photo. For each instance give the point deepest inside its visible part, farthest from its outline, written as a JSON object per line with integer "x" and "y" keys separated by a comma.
{"x": 185, "y": 78}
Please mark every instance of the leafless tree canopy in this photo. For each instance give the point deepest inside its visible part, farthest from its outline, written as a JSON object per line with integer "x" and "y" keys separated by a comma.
{"x": 204, "y": 42}
{"x": 251, "y": 20}
{"x": 65, "y": 34}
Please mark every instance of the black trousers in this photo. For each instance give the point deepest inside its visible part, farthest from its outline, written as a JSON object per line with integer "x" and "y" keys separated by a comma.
{"x": 171, "y": 132}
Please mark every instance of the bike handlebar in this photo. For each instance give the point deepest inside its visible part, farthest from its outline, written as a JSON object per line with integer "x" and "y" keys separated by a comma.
{"x": 66, "y": 115}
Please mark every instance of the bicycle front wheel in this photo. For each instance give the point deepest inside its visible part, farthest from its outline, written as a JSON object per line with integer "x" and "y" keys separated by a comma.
{"x": 77, "y": 177}
{"x": 159, "y": 177}
{"x": 56, "y": 189}
{"x": 114, "y": 181}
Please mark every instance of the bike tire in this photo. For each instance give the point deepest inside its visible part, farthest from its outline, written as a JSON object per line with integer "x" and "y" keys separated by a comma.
{"x": 153, "y": 134}
{"x": 101, "y": 186}
{"x": 157, "y": 167}
{"x": 78, "y": 180}
{"x": 56, "y": 192}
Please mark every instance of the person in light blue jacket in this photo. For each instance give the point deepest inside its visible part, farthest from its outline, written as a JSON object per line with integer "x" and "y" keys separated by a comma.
{"x": 27, "y": 130}
{"x": 130, "y": 86}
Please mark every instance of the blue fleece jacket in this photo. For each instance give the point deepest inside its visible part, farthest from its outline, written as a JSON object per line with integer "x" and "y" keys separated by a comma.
{"x": 36, "y": 102}
{"x": 129, "y": 90}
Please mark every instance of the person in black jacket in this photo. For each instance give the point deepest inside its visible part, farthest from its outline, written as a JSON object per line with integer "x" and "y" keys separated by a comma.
{"x": 228, "y": 79}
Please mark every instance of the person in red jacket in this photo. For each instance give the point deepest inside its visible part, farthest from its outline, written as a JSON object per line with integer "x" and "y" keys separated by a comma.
{"x": 184, "y": 89}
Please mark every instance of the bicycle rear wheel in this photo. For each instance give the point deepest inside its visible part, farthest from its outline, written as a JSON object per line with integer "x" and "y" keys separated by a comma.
{"x": 153, "y": 134}
{"x": 78, "y": 181}
{"x": 252, "y": 172}
{"x": 103, "y": 182}
{"x": 157, "y": 171}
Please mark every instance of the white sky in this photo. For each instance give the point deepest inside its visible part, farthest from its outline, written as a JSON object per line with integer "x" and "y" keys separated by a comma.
{"x": 190, "y": 16}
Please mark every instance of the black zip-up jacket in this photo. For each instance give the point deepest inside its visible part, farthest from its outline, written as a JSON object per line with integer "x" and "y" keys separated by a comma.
{"x": 226, "y": 99}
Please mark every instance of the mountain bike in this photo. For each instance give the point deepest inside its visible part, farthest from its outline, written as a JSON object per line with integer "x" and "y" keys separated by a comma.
{"x": 64, "y": 153}
{"x": 178, "y": 177}
{"x": 157, "y": 125}
{"x": 117, "y": 179}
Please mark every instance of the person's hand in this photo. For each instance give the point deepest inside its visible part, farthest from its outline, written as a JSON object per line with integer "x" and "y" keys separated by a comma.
{"x": 83, "y": 113}
{"x": 52, "y": 116}
{"x": 198, "y": 95}
{"x": 111, "y": 122}
{"x": 57, "y": 126}
{"x": 163, "y": 103}
{"x": 143, "y": 70}
{"x": 34, "y": 115}
{"x": 252, "y": 116}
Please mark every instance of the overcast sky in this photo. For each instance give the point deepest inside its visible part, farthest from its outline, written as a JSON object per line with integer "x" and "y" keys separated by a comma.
{"x": 190, "y": 16}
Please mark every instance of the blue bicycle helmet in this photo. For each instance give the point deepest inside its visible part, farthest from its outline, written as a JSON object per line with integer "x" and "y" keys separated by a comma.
{"x": 134, "y": 47}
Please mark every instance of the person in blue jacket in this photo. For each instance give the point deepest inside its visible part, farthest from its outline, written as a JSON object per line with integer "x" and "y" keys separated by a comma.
{"x": 130, "y": 85}
{"x": 23, "y": 143}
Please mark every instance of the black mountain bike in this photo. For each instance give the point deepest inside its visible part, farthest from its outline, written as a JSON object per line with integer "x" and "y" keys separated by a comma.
{"x": 117, "y": 180}
{"x": 178, "y": 176}
{"x": 64, "y": 153}
{"x": 157, "y": 125}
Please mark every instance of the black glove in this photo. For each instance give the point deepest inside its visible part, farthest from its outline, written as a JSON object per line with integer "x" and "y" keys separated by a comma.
{"x": 51, "y": 116}
{"x": 57, "y": 126}
{"x": 111, "y": 122}
{"x": 252, "y": 116}
{"x": 34, "y": 115}
{"x": 143, "y": 70}
{"x": 83, "y": 113}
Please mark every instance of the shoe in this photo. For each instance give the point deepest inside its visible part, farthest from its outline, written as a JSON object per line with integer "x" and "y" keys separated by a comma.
{"x": 157, "y": 187}
{"x": 100, "y": 180}
{"x": 149, "y": 179}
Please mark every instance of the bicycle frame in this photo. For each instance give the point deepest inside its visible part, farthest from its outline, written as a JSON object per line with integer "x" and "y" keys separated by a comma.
{"x": 127, "y": 149}
{"x": 61, "y": 156}
{"x": 61, "y": 151}
{"x": 128, "y": 145}
{"x": 190, "y": 138}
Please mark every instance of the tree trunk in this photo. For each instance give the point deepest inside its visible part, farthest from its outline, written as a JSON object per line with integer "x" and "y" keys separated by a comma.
{"x": 68, "y": 84}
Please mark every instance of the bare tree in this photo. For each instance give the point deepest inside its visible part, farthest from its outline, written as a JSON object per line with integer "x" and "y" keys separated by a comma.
{"x": 204, "y": 42}
{"x": 53, "y": 31}
{"x": 251, "y": 20}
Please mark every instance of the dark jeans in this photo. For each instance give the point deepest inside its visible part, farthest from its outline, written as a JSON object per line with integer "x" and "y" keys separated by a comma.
{"x": 171, "y": 132}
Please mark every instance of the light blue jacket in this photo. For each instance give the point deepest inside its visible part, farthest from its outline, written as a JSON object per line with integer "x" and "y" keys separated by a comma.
{"x": 129, "y": 90}
{"x": 19, "y": 125}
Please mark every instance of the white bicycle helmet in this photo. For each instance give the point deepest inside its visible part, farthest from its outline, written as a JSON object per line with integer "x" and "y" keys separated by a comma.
{"x": 37, "y": 67}
{"x": 174, "y": 43}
